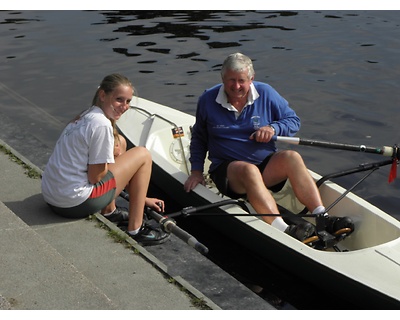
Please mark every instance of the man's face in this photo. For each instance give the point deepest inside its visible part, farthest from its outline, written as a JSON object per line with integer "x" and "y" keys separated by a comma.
{"x": 237, "y": 83}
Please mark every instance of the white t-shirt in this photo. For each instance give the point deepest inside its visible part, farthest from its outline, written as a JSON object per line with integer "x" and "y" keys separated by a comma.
{"x": 89, "y": 140}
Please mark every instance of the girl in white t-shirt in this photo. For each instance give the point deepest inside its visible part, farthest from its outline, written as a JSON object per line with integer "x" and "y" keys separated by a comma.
{"x": 89, "y": 167}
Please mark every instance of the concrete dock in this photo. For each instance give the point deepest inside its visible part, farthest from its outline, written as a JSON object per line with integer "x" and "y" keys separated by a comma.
{"x": 51, "y": 263}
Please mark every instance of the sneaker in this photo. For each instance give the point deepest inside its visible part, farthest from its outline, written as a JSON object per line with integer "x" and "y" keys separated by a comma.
{"x": 302, "y": 231}
{"x": 150, "y": 235}
{"x": 339, "y": 225}
{"x": 119, "y": 215}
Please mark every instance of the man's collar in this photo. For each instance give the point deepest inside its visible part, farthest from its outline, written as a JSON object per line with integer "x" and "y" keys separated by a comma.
{"x": 222, "y": 98}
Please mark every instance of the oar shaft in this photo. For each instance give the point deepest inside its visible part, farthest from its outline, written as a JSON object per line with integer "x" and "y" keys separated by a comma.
{"x": 170, "y": 226}
{"x": 385, "y": 151}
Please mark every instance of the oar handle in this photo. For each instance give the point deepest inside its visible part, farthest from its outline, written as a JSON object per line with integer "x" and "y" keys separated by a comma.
{"x": 385, "y": 151}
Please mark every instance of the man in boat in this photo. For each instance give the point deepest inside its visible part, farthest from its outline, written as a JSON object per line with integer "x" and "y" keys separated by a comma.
{"x": 235, "y": 121}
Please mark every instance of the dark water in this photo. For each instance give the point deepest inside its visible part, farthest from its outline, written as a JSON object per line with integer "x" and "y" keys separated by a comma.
{"x": 340, "y": 70}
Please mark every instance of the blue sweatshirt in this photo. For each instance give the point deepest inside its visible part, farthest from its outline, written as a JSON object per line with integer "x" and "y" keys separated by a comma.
{"x": 226, "y": 137}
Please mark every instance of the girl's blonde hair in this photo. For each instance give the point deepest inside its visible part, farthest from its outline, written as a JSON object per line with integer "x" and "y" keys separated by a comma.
{"x": 109, "y": 84}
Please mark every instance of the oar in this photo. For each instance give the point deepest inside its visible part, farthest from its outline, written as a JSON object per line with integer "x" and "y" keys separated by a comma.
{"x": 393, "y": 152}
{"x": 169, "y": 225}
{"x": 385, "y": 150}
{"x": 199, "y": 211}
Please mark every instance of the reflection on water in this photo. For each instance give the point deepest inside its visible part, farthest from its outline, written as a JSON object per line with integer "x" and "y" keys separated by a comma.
{"x": 338, "y": 69}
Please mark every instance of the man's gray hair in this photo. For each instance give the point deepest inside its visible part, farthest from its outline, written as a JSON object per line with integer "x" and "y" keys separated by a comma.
{"x": 238, "y": 62}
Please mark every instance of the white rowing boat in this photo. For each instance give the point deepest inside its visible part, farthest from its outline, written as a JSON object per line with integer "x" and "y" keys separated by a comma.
{"x": 364, "y": 267}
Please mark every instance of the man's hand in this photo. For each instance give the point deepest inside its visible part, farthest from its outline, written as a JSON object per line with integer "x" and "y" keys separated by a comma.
{"x": 264, "y": 134}
{"x": 194, "y": 179}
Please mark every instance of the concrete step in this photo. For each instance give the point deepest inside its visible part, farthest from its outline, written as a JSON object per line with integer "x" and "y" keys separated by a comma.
{"x": 36, "y": 276}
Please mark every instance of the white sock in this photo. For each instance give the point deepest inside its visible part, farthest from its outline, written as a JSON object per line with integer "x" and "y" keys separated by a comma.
{"x": 279, "y": 224}
{"x": 134, "y": 232}
{"x": 109, "y": 214}
{"x": 318, "y": 210}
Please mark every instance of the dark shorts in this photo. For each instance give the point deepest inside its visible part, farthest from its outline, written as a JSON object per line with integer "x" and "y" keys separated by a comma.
{"x": 103, "y": 193}
{"x": 221, "y": 181}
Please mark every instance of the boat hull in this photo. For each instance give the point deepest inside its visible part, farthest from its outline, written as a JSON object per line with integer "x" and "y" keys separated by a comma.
{"x": 366, "y": 270}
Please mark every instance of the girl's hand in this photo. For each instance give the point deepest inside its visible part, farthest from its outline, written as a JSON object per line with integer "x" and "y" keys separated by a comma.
{"x": 155, "y": 204}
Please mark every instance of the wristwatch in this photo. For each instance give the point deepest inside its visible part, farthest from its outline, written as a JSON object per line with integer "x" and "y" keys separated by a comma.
{"x": 272, "y": 128}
